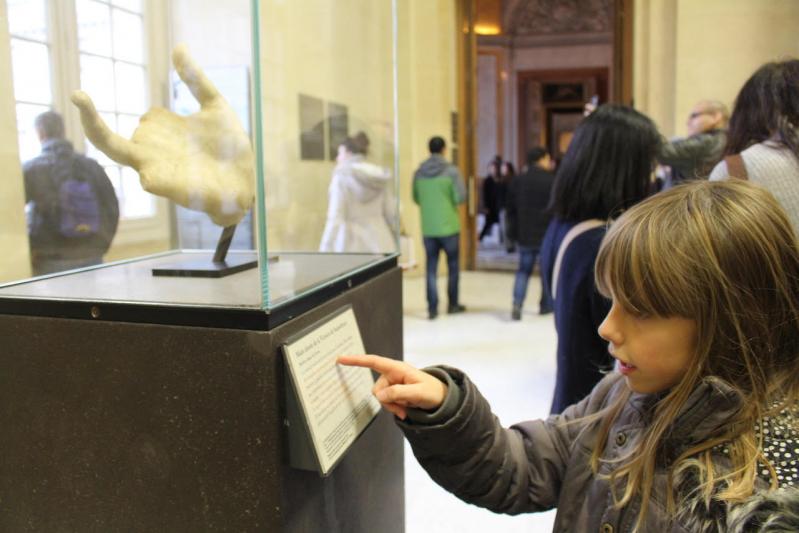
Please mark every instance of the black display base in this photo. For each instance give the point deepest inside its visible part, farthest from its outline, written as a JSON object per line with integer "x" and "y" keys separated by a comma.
{"x": 117, "y": 426}
{"x": 207, "y": 269}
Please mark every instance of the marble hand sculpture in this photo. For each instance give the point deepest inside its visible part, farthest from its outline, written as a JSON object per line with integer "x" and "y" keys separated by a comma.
{"x": 202, "y": 161}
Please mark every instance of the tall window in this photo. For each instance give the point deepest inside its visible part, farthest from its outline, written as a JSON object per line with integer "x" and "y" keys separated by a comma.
{"x": 111, "y": 67}
{"x": 30, "y": 59}
{"x": 112, "y": 71}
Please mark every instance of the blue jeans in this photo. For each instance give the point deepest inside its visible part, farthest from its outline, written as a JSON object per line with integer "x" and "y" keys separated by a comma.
{"x": 527, "y": 257}
{"x": 432, "y": 248}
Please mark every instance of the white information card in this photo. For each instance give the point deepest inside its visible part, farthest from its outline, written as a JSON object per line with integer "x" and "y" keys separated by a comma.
{"x": 336, "y": 401}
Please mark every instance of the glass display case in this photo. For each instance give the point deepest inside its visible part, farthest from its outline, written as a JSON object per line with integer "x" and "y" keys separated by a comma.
{"x": 198, "y": 163}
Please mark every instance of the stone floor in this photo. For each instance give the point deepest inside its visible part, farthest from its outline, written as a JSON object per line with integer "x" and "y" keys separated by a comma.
{"x": 513, "y": 364}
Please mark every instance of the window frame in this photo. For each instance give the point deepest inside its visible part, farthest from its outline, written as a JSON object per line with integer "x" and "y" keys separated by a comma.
{"x": 64, "y": 57}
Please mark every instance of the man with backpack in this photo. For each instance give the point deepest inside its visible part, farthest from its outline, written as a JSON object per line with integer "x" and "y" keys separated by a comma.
{"x": 73, "y": 209}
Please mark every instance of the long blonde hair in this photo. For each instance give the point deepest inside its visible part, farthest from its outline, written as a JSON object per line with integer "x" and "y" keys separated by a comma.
{"x": 724, "y": 255}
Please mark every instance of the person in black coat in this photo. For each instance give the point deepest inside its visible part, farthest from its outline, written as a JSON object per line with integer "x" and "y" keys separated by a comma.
{"x": 491, "y": 194}
{"x": 527, "y": 200}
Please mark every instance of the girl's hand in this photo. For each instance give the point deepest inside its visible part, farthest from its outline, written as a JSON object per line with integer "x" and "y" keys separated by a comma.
{"x": 400, "y": 385}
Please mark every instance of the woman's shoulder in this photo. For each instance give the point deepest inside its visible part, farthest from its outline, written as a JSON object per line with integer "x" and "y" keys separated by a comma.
{"x": 768, "y": 150}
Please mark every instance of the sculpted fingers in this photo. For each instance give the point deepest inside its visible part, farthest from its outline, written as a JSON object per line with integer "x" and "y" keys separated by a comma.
{"x": 117, "y": 148}
{"x": 193, "y": 76}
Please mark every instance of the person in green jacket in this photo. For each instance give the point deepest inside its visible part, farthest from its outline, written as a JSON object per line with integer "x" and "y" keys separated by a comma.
{"x": 438, "y": 189}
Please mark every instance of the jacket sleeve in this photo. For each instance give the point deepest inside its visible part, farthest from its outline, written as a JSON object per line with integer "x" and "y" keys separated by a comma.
{"x": 514, "y": 470}
{"x": 688, "y": 153}
{"x": 458, "y": 185}
{"x": 110, "y": 203}
{"x": 414, "y": 190}
{"x": 511, "y": 212}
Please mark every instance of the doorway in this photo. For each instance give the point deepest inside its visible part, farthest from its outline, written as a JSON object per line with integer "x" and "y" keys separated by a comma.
{"x": 551, "y": 104}
{"x": 534, "y": 70}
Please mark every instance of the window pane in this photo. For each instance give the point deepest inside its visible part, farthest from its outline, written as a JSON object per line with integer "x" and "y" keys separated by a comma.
{"x": 128, "y": 43}
{"x": 97, "y": 79}
{"x": 31, "y": 68}
{"x": 27, "y": 18}
{"x": 136, "y": 202}
{"x": 114, "y": 175}
{"x": 29, "y": 146}
{"x": 127, "y": 124}
{"x": 93, "y": 152}
{"x": 94, "y": 27}
{"x": 131, "y": 93}
{"x": 130, "y": 5}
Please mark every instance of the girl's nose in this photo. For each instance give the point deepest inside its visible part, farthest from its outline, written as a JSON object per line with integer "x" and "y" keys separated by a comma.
{"x": 610, "y": 329}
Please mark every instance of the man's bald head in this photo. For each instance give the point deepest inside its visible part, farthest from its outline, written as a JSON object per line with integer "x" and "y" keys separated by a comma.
{"x": 707, "y": 115}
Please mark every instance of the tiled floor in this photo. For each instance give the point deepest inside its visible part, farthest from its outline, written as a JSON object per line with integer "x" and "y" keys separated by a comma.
{"x": 513, "y": 364}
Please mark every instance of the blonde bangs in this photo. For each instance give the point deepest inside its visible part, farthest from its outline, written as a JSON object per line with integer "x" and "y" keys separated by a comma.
{"x": 642, "y": 269}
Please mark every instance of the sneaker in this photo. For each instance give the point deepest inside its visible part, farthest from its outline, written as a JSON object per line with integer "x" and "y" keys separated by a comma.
{"x": 457, "y": 308}
{"x": 432, "y": 314}
{"x": 544, "y": 310}
{"x": 516, "y": 314}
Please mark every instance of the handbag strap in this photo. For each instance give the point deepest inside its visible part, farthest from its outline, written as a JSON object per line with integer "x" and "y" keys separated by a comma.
{"x": 736, "y": 167}
{"x": 576, "y": 231}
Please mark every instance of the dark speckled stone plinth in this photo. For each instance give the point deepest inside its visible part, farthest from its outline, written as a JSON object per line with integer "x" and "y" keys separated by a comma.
{"x": 111, "y": 426}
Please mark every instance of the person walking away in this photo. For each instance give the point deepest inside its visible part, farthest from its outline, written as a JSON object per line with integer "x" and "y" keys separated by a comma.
{"x": 506, "y": 176}
{"x": 438, "y": 189}
{"x": 490, "y": 199}
{"x": 73, "y": 209}
{"x": 528, "y": 197}
{"x": 360, "y": 212}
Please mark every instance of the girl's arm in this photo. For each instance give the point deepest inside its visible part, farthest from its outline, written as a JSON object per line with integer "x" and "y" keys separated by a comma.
{"x": 468, "y": 452}
{"x": 512, "y": 471}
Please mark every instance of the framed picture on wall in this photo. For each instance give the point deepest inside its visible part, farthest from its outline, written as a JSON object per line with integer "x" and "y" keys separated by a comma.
{"x": 312, "y": 128}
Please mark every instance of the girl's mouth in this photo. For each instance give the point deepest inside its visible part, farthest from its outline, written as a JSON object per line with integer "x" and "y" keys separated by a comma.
{"x": 625, "y": 368}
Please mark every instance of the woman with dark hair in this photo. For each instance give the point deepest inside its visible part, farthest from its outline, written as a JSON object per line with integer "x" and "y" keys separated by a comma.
{"x": 607, "y": 168}
{"x": 763, "y": 139}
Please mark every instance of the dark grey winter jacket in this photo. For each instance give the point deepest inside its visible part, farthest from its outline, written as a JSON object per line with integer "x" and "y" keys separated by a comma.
{"x": 542, "y": 464}
{"x": 693, "y": 157}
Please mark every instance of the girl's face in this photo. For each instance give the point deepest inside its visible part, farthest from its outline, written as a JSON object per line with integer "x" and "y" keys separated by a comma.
{"x": 652, "y": 353}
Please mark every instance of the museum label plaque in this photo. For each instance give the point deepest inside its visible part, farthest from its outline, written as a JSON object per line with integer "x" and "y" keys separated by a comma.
{"x": 333, "y": 404}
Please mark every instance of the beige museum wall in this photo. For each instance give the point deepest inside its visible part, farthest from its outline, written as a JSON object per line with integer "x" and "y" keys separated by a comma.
{"x": 686, "y": 50}
{"x": 338, "y": 52}
{"x": 427, "y": 94}
{"x": 15, "y": 263}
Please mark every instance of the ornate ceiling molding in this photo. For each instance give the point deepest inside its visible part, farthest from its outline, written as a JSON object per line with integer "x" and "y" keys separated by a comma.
{"x": 557, "y": 17}
{"x": 531, "y": 41}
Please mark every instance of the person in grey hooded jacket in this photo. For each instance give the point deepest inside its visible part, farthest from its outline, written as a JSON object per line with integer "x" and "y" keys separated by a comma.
{"x": 697, "y": 430}
{"x": 438, "y": 190}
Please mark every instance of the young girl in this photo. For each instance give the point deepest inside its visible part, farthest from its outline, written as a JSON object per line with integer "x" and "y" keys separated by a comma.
{"x": 696, "y": 430}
